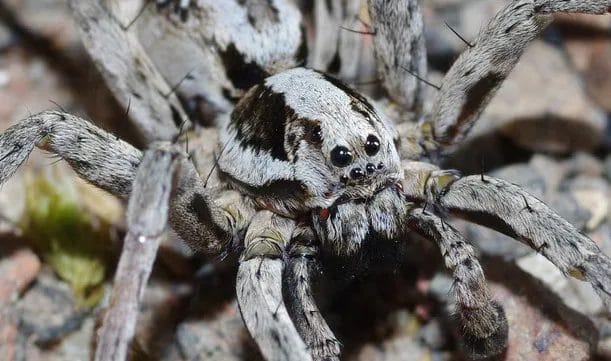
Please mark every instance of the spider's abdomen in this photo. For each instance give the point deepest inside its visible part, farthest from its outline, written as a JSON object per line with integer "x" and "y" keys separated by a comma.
{"x": 302, "y": 140}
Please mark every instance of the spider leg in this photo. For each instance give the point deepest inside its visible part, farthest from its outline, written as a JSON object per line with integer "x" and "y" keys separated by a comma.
{"x": 206, "y": 219}
{"x": 147, "y": 216}
{"x": 479, "y": 71}
{"x": 337, "y": 44}
{"x": 95, "y": 155}
{"x": 400, "y": 50}
{"x": 259, "y": 288}
{"x": 154, "y": 109}
{"x": 482, "y": 320}
{"x": 507, "y": 208}
{"x": 312, "y": 327}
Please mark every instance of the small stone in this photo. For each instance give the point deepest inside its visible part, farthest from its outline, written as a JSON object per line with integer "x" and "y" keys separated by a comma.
{"x": 222, "y": 338}
{"x": 585, "y": 164}
{"x": 565, "y": 204}
{"x": 401, "y": 348}
{"x": 75, "y": 346}
{"x": 524, "y": 176}
{"x": 535, "y": 334}
{"x": 432, "y": 335}
{"x": 593, "y": 195}
{"x": 47, "y": 311}
{"x": 576, "y": 294}
{"x": 17, "y": 271}
{"x": 592, "y": 57}
{"x": 555, "y": 172}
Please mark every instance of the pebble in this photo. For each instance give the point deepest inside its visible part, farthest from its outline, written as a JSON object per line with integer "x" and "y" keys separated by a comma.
{"x": 17, "y": 271}
{"x": 47, "y": 311}
{"x": 223, "y": 337}
{"x": 593, "y": 195}
{"x": 538, "y": 328}
{"x": 576, "y": 294}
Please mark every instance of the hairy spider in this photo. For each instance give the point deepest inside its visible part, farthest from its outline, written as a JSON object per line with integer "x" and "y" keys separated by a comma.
{"x": 305, "y": 163}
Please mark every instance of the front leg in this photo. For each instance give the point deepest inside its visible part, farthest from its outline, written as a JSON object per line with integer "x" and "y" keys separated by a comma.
{"x": 477, "y": 74}
{"x": 206, "y": 220}
{"x": 302, "y": 263}
{"x": 507, "y": 208}
{"x": 482, "y": 321}
{"x": 259, "y": 289}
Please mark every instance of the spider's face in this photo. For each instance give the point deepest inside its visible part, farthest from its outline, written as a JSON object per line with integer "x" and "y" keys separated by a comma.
{"x": 303, "y": 140}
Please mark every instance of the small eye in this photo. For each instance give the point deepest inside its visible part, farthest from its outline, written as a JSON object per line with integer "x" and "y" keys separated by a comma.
{"x": 341, "y": 156}
{"x": 372, "y": 145}
{"x": 316, "y": 135}
{"x": 357, "y": 173}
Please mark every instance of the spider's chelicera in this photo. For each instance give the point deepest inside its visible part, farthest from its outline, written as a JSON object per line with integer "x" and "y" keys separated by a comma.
{"x": 306, "y": 164}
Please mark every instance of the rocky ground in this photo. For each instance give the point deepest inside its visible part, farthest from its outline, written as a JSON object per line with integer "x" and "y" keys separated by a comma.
{"x": 548, "y": 129}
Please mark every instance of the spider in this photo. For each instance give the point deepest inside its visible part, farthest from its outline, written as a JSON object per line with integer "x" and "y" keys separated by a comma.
{"x": 305, "y": 165}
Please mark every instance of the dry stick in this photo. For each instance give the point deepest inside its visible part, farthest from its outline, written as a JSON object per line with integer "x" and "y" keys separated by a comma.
{"x": 147, "y": 215}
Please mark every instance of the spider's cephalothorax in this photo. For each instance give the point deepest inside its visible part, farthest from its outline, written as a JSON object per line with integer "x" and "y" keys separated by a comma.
{"x": 303, "y": 140}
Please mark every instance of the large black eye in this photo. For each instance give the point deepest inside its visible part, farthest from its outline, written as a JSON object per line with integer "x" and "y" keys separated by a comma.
{"x": 341, "y": 156}
{"x": 372, "y": 145}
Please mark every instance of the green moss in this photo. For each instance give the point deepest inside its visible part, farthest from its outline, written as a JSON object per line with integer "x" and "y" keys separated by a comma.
{"x": 66, "y": 238}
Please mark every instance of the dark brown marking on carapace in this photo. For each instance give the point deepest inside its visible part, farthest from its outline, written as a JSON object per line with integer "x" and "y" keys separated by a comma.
{"x": 260, "y": 121}
{"x": 279, "y": 189}
{"x": 476, "y": 95}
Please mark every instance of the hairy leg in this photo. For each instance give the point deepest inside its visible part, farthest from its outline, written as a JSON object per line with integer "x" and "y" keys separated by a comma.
{"x": 507, "y": 208}
{"x": 312, "y": 327}
{"x": 259, "y": 288}
{"x": 482, "y": 320}
{"x": 147, "y": 216}
{"x": 400, "y": 50}
{"x": 208, "y": 220}
{"x": 336, "y": 46}
{"x": 97, "y": 156}
{"x": 479, "y": 71}
{"x": 129, "y": 72}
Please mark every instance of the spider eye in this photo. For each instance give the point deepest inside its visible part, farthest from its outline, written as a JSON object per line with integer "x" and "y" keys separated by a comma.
{"x": 341, "y": 156}
{"x": 372, "y": 145}
{"x": 316, "y": 135}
